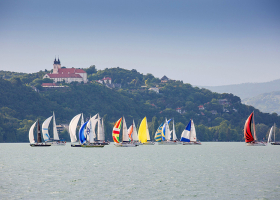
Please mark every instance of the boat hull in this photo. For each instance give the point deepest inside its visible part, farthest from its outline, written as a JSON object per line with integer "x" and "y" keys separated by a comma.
{"x": 56, "y": 143}
{"x": 275, "y": 143}
{"x": 149, "y": 143}
{"x": 76, "y": 145}
{"x": 92, "y": 145}
{"x": 40, "y": 145}
{"x": 167, "y": 143}
{"x": 256, "y": 144}
{"x": 191, "y": 143}
{"x": 125, "y": 145}
{"x": 102, "y": 142}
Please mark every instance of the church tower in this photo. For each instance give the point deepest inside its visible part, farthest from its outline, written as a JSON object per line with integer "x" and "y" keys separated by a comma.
{"x": 56, "y": 66}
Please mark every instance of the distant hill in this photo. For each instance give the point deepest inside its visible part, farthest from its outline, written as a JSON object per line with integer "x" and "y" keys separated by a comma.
{"x": 267, "y": 102}
{"x": 247, "y": 90}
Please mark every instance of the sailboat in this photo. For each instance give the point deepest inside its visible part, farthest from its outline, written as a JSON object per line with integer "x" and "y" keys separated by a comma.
{"x": 86, "y": 135}
{"x": 55, "y": 141}
{"x": 39, "y": 140}
{"x": 72, "y": 131}
{"x": 270, "y": 134}
{"x": 100, "y": 138}
{"x": 188, "y": 136}
{"x": 134, "y": 135}
{"x": 166, "y": 134}
{"x": 249, "y": 139}
{"x": 143, "y": 133}
{"x": 125, "y": 138}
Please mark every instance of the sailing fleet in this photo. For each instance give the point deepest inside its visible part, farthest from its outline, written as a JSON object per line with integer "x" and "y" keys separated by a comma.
{"x": 91, "y": 133}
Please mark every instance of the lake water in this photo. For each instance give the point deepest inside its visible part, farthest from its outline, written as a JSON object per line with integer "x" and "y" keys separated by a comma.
{"x": 211, "y": 171}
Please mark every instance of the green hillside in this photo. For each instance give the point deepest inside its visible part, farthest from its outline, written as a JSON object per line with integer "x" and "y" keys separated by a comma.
{"x": 221, "y": 119}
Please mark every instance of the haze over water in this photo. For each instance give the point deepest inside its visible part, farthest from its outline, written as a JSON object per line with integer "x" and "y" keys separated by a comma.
{"x": 210, "y": 171}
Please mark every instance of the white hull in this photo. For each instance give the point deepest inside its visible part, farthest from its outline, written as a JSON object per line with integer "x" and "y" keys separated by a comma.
{"x": 137, "y": 143}
{"x": 125, "y": 145}
{"x": 256, "y": 144}
{"x": 167, "y": 143}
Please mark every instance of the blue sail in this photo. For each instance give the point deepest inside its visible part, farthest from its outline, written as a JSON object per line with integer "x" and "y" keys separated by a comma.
{"x": 82, "y": 133}
{"x": 186, "y": 133}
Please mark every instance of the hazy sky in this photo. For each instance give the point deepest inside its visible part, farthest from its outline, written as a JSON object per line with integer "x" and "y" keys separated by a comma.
{"x": 202, "y": 42}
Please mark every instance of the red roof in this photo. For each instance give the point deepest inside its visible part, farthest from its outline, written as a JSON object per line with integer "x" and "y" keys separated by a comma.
{"x": 66, "y": 75}
{"x": 178, "y": 108}
{"x": 49, "y": 84}
{"x": 201, "y": 106}
{"x": 70, "y": 71}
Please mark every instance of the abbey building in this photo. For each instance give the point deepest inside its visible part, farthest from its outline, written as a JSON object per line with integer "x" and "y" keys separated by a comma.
{"x": 66, "y": 74}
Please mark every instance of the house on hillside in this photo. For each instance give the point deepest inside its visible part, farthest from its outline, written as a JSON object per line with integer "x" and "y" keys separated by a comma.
{"x": 66, "y": 74}
{"x": 107, "y": 81}
{"x": 164, "y": 79}
{"x": 201, "y": 107}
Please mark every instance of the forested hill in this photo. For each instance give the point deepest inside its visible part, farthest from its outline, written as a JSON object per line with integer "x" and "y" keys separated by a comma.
{"x": 218, "y": 117}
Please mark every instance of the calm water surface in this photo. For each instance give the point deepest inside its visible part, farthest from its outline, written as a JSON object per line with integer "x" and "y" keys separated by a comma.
{"x": 210, "y": 171}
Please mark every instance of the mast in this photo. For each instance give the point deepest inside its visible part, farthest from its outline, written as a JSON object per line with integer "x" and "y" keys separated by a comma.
{"x": 274, "y": 132}
{"x": 39, "y": 140}
{"x": 255, "y": 136}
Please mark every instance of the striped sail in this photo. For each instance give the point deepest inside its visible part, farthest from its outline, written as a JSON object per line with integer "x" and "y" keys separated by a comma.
{"x": 116, "y": 131}
{"x": 158, "y": 133}
{"x": 142, "y": 132}
{"x": 31, "y": 133}
{"x": 185, "y": 137}
{"x": 45, "y": 128}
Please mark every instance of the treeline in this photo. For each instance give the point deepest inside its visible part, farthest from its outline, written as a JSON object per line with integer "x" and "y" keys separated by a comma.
{"x": 20, "y": 105}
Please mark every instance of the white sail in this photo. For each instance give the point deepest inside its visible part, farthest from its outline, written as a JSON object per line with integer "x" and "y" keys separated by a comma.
{"x": 45, "y": 128}
{"x": 192, "y": 133}
{"x": 73, "y": 126}
{"x": 134, "y": 133}
{"x": 55, "y": 134}
{"x": 90, "y": 132}
{"x": 100, "y": 133}
{"x": 125, "y": 134}
{"x": 174, "y": 134}
{"x": 270, "y": 134}
{"x": 82, "y": 120}
{"x": 93, "y": 124}
{"x": 31, "y": 133}
{"x": 167, "y": 131}
{"x": 148, "y": 134}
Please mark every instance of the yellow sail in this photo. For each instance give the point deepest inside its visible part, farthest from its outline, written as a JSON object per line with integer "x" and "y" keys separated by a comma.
{"x": 142, "y": 132}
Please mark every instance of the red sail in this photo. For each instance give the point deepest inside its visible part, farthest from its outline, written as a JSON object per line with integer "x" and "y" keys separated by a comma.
{"x": 247, "y": 130}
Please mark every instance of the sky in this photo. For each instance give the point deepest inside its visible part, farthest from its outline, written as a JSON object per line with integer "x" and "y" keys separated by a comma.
{"x": 201, "y": 42}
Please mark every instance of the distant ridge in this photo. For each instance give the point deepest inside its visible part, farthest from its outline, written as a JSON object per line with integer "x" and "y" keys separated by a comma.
{"x": 246, "y": 90}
